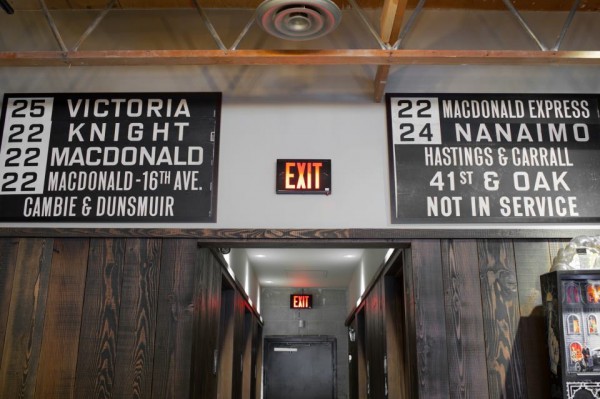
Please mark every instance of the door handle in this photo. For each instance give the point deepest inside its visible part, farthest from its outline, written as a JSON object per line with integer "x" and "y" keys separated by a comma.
{"x": 215, "y": 361}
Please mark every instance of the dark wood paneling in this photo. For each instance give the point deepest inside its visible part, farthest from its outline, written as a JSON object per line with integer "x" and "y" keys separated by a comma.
{"x": 238, "y": 351}
{"x": 464, "y": 320}
{"x": 100, "y": 322}
{"x": 397, "y": 363}
{"x": 361, "y": 336}
{"x": 506, "y": 369}
{"x": 226, "y": 345}
{"x": 137, "y": 319}
{"x": 375, "y": 341}
{"x": 532, "y": 259}
{"x": 58, "y": 358}
{"x": 8, "y": 257}
{"x": 172, "y": 362}
{"x": 207, "y": 307}
{"x": 353, "y": 363}
{"x": 432, "y": 352}
{"x": 247, "y": 370}
{"x": 258, "y": 362}
{"x": 410, "y": 340}
{"x": 24, "y": 330}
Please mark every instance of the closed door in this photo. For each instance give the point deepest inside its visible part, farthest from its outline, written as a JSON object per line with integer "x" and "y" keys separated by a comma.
{"x": 300, "y": 368}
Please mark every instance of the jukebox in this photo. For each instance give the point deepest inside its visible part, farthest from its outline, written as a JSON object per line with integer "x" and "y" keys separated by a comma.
{"x": 571, "y": 299}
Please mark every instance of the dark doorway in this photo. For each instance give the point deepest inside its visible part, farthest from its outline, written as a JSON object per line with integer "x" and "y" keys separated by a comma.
{"x": 300, "y": 367}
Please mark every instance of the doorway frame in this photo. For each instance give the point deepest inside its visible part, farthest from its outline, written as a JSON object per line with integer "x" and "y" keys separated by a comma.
{"x": 285, "y": 339}
{"x": 265, "y": 237}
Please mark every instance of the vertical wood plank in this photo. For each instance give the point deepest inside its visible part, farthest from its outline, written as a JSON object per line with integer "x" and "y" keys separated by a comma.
{"x": 98, "y": 338}
{"x": 410, "y": 340}
{"x": 207, "y": 308}
{"x": 431, "y": 348}
{"x": 506, "y": 370}
{"x": 226, "y": 345}
{"x": 258, "y": 362}
{"x": 394, "y": 317}
{"x": 375, "y": 341}
{"x": 8, "y": 258}
{"x": 238, "y": 337}
{"x": 238, "y": 345}
{"x": 361, "y": 343}
{"x": 532, "y": 259}
{"x": 137, "y": 319}
{"x": 464, "y": 320}
{"x": 212, "y": 322}
{"x": 24, "y": 330}
{"x": 174, "y": 330}
{"x": 248, "y": 369}
{"x": 353, "y": 364}
{"x": 58, "y": 357}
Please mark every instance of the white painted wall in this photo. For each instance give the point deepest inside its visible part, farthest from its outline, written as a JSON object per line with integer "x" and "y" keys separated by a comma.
{"x": 299, "y": 111}
{"x": 373, "y": 259}
{"x": 244, "y": 274}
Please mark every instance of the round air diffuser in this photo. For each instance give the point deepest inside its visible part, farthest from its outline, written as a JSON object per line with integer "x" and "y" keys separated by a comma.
{"x": 298, "y": 19}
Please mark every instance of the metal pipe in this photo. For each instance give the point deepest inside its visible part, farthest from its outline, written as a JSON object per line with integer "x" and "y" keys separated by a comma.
{"x": 409, "y": 24}
{"x": 565, "y": 28}
{"x": 243, "y": 33}
{"x": 514, "y": 11}
{"x": 384, "y": 46}
{"x": 94, "y": 24}
{"x": 210, "y": 27}
{"x": 53, "y": 27}
{"x": 5, "y": 5}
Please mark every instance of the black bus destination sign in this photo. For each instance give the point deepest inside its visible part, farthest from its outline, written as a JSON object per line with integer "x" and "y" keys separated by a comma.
{"x": 109, "y": 157}
{"x": 494, "y": 158}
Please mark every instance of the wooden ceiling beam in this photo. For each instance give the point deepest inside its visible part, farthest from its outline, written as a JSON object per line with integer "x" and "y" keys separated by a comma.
{"x": 392, "y": 15}
{"x": 523, "y": 5}
{"x": 296, "y": 57}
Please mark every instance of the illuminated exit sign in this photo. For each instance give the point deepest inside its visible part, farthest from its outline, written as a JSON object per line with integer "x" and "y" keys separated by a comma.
{"x": 310, "y": 176}
{"x": 300, "y": 301}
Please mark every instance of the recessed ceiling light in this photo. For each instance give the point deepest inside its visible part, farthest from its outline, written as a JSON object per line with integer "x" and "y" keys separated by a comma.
{"x": 350, "y": 256}
{"x": 260, "y": 256}
{"x": 268, "y": 281}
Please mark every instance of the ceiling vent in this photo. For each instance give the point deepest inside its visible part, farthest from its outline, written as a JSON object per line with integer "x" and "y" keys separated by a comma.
{"x": 298, "y": 19}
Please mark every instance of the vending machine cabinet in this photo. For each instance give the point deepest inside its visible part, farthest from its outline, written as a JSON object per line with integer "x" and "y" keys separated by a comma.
{"x": 571, "y": 300}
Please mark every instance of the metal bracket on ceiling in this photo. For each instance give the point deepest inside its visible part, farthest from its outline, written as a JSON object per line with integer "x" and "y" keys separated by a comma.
{"x": 102, "y": 15}
{"x": 243, "y": 33}
{"x": 356, "y": 8}
{"x": 524, "y": 25}
{"x": 5, "y": 5}
{"x": 566, "y": 26}
{"x": 562, "y": 34}
{"x": 409, "y": 24}
{"x": 53, "y": 26}
{"x": 94, "y": 24}
{"x": 210, "y": 27}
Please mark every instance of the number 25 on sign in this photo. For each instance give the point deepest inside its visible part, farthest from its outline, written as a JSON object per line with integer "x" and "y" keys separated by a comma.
{"x": 415, "y": 120}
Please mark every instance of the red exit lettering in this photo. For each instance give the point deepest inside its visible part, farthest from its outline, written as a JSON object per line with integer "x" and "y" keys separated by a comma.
{"x": 303, "y": 175}
{"x": 301, "y": 301}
